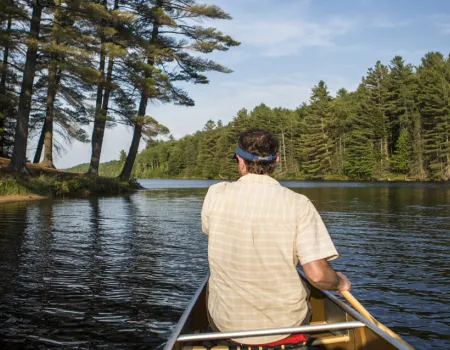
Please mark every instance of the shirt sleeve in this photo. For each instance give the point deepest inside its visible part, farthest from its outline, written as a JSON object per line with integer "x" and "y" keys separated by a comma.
{"x": 206, "y": 210}
{"x": 313, "y": 242}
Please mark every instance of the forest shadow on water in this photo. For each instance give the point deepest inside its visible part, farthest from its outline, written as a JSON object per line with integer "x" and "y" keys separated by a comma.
{"x": 117, "y": 272}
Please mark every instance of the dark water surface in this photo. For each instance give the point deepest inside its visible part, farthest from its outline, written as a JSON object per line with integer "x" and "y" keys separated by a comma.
{"x": 117, "y": 272}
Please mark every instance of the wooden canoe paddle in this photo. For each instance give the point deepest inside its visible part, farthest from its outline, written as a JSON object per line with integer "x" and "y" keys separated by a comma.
{"x": 362, "y": 310}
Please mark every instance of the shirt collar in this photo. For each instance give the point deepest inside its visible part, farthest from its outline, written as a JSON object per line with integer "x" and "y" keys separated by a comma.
{"x": 259, "y": 179}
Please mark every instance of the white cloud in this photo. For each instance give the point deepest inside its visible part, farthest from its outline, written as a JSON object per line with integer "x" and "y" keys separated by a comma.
{"x": 444, "y": 27}
{"x": 279, "y": 37}
{"x": 442, "y": 22}
{"x": 383, "y": 21}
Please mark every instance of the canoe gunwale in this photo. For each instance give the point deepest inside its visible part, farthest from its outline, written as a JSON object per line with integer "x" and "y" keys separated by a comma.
{"x": 187, "y": 312}
{"x": 352, "y": 312}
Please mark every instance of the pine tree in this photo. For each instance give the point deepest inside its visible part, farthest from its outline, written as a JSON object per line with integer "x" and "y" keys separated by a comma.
{"x": 18, "y": 160}
{"x": 360, "y": 156}
{"x": 123, "y": 156}
{"x": 401, "y": 109}
{"x": 112, "y": 45}
{"x": 417, "y": 163}
{"x": 434, "y": 108}
{"x": 401, "y": 157}
{"x": 294, "y": 124}
{"x": 54, "y": 77}
{"x": 176, "y": 163}
{"x": 12, "y": 12}
{"x": 190, "y": 154}
{"x": 225, "y": 148}
{"x": 315, "y": 142}
{"x": 340, "y": 112}
{"x": 167, "y": 19}
{"x": 66, "y": 52}
{"x": 207, "y": 165}
{"x": 377, "y": 82}
{"x": 5, "y": 43}
{"x": 402, "y": 87}
{"x": 286, "y": 130}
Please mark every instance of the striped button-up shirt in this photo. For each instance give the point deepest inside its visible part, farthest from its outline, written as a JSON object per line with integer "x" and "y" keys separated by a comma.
{"x": 258, "y": 232}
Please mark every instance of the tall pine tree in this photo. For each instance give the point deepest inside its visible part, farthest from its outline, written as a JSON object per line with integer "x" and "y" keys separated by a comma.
{"x": 19, "y": 155}
{"x": 316, "y": 143}
{"x": 377, "y": 82}
{"x": 173, "y": 38}
{"x": 360, "y": 156}
{"x": 434, "y": 90}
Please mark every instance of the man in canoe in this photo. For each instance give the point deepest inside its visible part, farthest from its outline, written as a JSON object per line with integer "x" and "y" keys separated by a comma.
{"x": 258, "y": 233}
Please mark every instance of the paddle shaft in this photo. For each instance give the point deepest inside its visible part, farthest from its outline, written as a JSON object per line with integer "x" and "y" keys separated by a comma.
{"x": 361, "y": 309}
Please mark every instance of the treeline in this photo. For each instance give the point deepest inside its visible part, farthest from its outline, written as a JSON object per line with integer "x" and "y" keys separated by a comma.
{"x": 66, "y": 64}
{"x": 395, "y": 125}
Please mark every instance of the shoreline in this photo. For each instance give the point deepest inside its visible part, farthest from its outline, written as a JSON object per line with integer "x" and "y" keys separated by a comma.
{"x": 13, "y": 198}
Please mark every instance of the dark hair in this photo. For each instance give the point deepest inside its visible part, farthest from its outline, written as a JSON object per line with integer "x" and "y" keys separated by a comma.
{"x": 262, "y": 143}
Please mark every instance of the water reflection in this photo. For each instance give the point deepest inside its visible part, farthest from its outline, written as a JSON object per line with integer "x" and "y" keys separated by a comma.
{"x": 117, "y": 272}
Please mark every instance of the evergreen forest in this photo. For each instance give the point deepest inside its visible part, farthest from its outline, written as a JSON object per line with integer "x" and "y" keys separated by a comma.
{"x": 396, "y": 125}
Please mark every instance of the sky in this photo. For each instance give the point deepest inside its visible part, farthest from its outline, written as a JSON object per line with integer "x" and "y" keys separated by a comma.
{"x": 287, "y": 47}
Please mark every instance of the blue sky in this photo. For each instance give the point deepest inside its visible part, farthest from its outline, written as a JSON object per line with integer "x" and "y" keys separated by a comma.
{"x": 287, "y": 47}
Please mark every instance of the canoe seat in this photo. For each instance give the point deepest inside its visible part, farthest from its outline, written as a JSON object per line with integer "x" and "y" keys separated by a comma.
{"x": 249, "y": 347}
{"x": 315, "y": 343}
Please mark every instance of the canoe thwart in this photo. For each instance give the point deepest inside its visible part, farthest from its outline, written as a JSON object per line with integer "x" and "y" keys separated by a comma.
{"x": 275, "y": 331}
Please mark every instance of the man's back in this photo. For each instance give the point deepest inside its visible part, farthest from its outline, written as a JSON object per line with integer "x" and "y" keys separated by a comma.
{"x": 257, "y": 231}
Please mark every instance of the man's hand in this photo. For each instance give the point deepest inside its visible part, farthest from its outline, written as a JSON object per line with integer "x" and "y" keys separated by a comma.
{"x": 344, "y": 283}
{"x": 322, "y": 276}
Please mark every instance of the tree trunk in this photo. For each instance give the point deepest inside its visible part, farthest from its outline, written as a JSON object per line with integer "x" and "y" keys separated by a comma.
{"x": 96, "y": 146}
{"x": 137, "y": 134}
{"x": 3, "y": 97}
{"x": 101, "y": 109}
{"x": 40, "y": 145}
{"x": 132, "y": 153}
{"x": 19, "y": 156}
{"x": 100, "y": 123}
{"x": 53, "y": 85}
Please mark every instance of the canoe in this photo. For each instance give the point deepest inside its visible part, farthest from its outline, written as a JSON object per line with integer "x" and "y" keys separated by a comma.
{"x": 334, "y": 325}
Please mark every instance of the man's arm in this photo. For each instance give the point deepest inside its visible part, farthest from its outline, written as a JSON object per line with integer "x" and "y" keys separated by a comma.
{"x": 206, "y": 208}
{"x": 205, "y": 213}
{"x": 322, "y": 276}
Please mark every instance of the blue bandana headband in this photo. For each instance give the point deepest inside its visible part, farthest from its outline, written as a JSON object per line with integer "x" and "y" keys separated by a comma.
{"x": 254, "y": 157}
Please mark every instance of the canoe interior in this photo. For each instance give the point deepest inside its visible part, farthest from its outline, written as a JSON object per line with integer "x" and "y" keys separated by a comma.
{"x": 323, "y": 311}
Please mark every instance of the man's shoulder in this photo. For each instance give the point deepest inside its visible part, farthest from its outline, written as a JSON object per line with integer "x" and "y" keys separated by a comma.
{"x": 292, "y": 193}
{"x": 218, "y": 187}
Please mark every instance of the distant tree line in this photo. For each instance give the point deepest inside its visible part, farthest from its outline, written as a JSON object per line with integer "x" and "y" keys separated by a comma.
{"x": 65, "y": 64}
{"x": 395, "y": 125}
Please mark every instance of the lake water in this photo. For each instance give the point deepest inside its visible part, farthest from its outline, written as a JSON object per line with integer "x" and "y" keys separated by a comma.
{"x": 117, "y": 272}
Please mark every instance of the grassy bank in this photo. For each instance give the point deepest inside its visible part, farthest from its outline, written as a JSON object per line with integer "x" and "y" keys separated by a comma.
{"x": 55, "y": 186}
{"x": 56, "y": 183}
